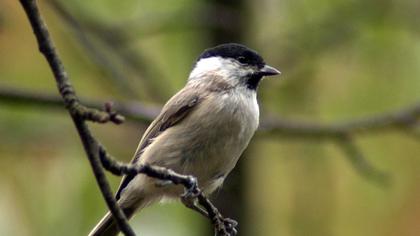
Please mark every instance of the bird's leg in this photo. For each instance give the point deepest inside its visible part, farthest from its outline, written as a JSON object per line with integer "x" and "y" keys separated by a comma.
{"x": 223, "y": 226}
{"x": 189, "y": 198}
{"x": 190, "y": 201}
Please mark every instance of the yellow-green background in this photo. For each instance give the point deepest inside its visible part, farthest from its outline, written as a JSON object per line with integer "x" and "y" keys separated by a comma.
{"x": 341, "y": 59}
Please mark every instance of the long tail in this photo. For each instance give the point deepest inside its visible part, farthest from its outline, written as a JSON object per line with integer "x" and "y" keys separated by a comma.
{"x": 129, "y": 205}
{"x": 107, "y": 226}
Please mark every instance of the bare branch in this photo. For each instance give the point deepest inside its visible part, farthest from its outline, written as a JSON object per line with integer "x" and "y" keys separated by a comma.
{"x": 405, "y": 119}
{"x": 132, "y": 110}
{"x": 115, "y": 41}
{"x": 77, "y": 111}
{"x": 94, "y": 50}
{"x": 360, "y": 163}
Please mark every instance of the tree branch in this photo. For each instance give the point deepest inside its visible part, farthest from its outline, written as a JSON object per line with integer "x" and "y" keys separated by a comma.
{"x": 93, "y": 49}
{"x": 76, "y": 110}
{"x": 405, "y": 119}
{"x": 115, "y": 42}
{"x": 133, "y": 110}
{"x": 360, "y": 163}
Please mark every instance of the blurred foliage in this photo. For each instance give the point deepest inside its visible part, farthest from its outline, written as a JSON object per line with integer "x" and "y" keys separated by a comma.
{"x": 340, "y": 60}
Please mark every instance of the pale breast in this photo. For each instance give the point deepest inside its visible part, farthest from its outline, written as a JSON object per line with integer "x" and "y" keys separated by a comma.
{"x": 209, "y": 142}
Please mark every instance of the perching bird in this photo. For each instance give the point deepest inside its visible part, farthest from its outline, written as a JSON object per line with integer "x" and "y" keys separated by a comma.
{"x": 201, "y": 131}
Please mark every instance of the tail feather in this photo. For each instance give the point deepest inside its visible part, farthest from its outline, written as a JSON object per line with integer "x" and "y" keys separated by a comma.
{"x": 129, "y": 203}
{"x": 107, "y": 226}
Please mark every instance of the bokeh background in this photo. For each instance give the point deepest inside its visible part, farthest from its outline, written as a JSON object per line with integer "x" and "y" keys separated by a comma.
{"x": 341, "y": 60}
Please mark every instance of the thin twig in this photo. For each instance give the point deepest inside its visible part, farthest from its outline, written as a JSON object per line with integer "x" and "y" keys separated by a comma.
{"x": 360, "y": 163}
{"x": 405, "y": 119}
{"x": 116, "y": 43}
{"x": 94, "y": 50}
{"x": 135, "y": 110}
{"x": 76, "y": 110}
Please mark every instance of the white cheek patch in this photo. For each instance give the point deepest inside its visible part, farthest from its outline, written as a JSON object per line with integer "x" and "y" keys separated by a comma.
{"x": 222, "y": 66}
{"x": 206, "y": 65}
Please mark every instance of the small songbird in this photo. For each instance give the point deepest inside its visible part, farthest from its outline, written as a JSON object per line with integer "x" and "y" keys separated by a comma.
{"x": 201, "y": 131}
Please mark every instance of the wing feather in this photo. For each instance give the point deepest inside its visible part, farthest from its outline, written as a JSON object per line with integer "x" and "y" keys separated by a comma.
{"x": 175, "y": 110}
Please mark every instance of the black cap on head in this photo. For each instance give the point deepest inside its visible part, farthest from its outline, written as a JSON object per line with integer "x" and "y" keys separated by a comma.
{"x": 235, "y": 51}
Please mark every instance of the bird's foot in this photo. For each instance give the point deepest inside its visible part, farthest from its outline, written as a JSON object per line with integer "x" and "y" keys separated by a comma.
{"x": 190, "y": 201}
{"x": 225, "y": 226}
{"x": 230, "y": 226}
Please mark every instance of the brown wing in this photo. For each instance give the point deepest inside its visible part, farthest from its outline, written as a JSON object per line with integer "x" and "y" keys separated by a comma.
{"x": 175, "y": 110}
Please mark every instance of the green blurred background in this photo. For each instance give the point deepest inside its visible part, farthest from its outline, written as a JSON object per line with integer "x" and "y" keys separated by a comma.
{"x": 341, "y": 59}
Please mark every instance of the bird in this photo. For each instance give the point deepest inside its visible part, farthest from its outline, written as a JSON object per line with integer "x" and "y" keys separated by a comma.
{"x": 201, "y": 131}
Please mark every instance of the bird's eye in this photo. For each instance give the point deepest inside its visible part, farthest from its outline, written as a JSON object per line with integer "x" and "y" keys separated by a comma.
{"x": 242, "y": 60}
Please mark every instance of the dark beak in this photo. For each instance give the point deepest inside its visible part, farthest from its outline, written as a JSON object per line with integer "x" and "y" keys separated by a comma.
{"x": 269, "y": 71}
